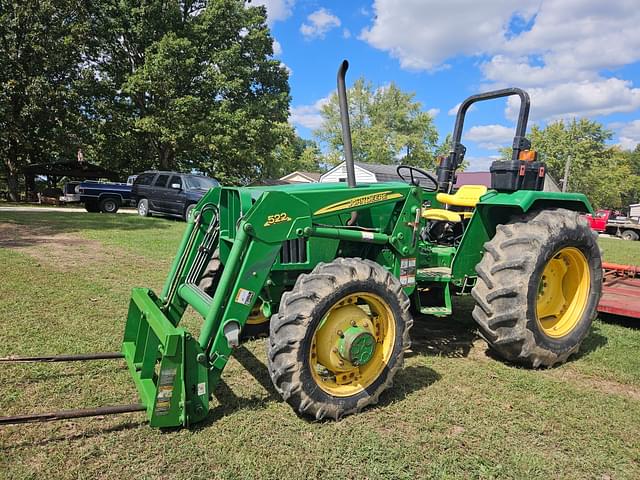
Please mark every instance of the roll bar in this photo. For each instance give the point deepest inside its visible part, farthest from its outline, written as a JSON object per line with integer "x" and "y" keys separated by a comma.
{"x": 450, "y": 164}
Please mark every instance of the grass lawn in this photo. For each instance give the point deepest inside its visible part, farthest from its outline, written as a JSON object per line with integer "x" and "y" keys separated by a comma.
{"x": 453, "y": 412}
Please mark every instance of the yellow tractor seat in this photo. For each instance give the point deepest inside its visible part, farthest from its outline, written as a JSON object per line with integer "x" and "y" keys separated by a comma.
{"x": 466, "y": 196}
{"x": 441, "y": 214}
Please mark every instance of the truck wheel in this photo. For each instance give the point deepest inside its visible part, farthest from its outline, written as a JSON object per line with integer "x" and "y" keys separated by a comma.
{"x": 339, "y": 338}
{"x": 143, "y": 208}
{"x": 539, "y": 283}
{"x": 91, "y": 207}
{"x": 629, "y": 235}
{"x": 188, "y": 210}
{"x": 257, "y": 324}
{"x": 109, "y": 205}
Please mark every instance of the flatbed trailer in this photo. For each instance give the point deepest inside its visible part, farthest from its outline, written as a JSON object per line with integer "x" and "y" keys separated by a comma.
{"x": 621, "y": 290}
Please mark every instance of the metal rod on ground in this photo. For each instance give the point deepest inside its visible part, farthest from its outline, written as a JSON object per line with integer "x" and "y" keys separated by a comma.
{"x": 67, "y": 414}
{"x": 64, "y": 358}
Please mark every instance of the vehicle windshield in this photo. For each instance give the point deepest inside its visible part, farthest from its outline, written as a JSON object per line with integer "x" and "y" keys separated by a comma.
{"x": 200, "y": 183}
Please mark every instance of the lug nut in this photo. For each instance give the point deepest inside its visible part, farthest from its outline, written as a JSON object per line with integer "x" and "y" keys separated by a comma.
{"x": 340, "y": 333}
{"x": 353, "y": 323}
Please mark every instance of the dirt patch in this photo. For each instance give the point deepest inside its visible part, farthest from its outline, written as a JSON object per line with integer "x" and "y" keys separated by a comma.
{"x": 59, "y": 250}
{"x": 593, "y": 383}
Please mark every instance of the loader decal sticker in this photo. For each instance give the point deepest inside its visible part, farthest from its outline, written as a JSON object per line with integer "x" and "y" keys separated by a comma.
{"x": 408, "y": 271}
{"x": 244, "y": 297}
{"x": 358, "y": 202}
{"x": 277, "y": 218}
{"x": 165, "y": 391}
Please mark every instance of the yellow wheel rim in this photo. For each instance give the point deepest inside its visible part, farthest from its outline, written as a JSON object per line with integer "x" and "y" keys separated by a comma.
{"x": 367, "y": 312}
{"x": 563, "y": 292}
{"x": 256, "y": 317}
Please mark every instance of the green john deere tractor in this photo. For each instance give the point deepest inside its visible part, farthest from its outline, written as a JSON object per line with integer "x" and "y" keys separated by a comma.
{"x": 335, "y": 274}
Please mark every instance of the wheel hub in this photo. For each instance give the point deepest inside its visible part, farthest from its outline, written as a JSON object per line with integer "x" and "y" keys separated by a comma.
{"x": 353, "y": 344}
{"x": 563, "y": 292}
{"x": 357, "y": 346}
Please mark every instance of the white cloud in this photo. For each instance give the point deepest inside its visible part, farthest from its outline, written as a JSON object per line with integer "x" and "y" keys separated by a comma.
{"x": 629, "y": 135}
{"x": 277, "y": 10}
{"x": 479, "y": 164}
{"x": 346, "y": 33}
{"x": 287, "y": 68}
{"x": 575, "y": 99}
{"x": 423, "y": 35}
{"x": 320, "y": 22}
{"x": 433, "y": 112}
{"x": 558, "y": 45}
{"x": 277, "y": 48}
{"x": 309, "y": 115}
{"x": 454, "y": 110}
{"x": 491, "y": 137}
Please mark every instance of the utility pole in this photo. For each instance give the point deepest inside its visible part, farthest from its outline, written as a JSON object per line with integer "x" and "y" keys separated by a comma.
{"x": 565, "y": 180}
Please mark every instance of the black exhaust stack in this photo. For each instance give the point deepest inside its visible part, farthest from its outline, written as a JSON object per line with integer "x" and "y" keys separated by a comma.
{"x": 346, "y": 128}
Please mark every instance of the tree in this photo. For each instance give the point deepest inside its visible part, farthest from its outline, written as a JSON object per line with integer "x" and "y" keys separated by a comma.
{"x": 296, "y": 153}
{"x": 387, "y": 127}
{"x": 196, "y": 83}
{"x": 44, "y": 47}
{"x": 605, "y": 174}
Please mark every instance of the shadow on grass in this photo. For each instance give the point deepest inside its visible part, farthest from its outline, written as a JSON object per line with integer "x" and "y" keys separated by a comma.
{"x": 619, "y": 320}
{"x": 82, "y": 435}
{"x": 442, "y": 337}
{"x": 59, "y": 222}
{"x": 406, "y": 381}
{"x": 591, "y": 343}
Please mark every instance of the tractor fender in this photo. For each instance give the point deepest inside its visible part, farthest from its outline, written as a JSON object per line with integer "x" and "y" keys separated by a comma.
{"x": 497, "y": 208}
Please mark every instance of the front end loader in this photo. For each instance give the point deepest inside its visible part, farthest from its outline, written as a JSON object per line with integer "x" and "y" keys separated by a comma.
{"x": 334, "y": 275}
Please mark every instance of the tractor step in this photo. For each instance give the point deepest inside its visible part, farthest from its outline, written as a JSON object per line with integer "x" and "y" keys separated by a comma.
{"x": 434, "y": 274}
{"x": 436, "y": 311}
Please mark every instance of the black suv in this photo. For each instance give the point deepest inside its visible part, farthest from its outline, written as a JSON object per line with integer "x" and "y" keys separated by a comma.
{"x": 169, "y": 193}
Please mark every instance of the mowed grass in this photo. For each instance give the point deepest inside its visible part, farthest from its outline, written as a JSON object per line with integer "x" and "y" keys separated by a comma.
{"x": 453, "y": 412}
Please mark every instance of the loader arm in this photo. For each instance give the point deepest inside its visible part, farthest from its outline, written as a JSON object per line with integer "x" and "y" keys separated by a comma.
{"x": 174, "y": 372}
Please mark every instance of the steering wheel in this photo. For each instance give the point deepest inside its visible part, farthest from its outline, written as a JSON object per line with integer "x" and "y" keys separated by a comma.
{"x": 416, "y": 181}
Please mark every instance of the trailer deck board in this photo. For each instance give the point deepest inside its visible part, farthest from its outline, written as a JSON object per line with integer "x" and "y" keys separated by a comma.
{"x": 620, "y": 296}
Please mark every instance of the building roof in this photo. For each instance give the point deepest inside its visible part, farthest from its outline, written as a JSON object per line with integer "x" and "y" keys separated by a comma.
{"x": 72, "y": 169}
{"x": 383, "y": 173}
{"x": 311, "y": 176}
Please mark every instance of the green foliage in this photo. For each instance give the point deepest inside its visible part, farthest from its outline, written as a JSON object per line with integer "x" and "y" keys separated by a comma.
{"x": 387, "y": 127}
{"x": 293, "y": 153}
{"x": 175, "y": 84}
{"x": 199, "y": 84}
{"x": 43, "y": 50}
{"x": 607, "y": 175}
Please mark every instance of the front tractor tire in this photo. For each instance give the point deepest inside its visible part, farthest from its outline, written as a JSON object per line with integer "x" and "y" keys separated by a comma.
{"x": 539, "y": 284}
{"x": 339, "y": 338}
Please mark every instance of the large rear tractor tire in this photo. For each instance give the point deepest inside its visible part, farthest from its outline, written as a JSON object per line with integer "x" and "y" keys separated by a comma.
{"x": 539, "y": 283}
{"x": 339, "y": 338}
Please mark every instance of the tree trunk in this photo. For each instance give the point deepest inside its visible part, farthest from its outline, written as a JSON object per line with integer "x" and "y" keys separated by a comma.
{"x": 166, "y": 157}
{"x": 11, "y": 169}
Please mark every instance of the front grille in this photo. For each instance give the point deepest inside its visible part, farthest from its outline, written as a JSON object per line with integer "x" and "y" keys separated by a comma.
{"x": 294, "y": 251}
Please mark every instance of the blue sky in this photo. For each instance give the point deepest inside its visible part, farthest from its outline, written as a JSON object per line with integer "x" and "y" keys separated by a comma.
{"x": 577, "y": 58}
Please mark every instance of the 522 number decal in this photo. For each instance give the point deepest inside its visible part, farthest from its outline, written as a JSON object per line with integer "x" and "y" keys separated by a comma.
{"x": 277, "y": 218}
